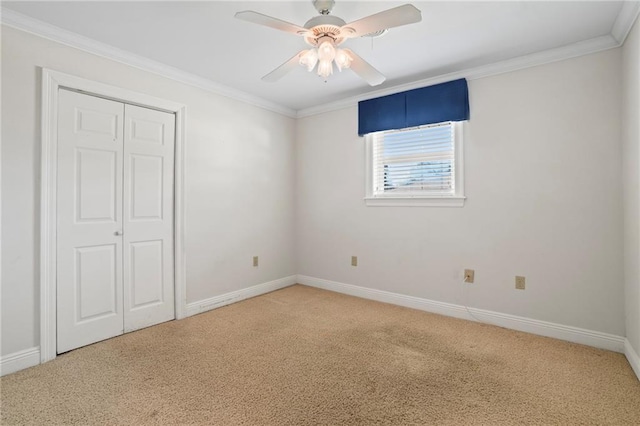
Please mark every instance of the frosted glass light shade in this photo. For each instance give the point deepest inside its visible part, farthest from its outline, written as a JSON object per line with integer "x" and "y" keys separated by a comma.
{"x": 343, "y": 59}
{"x": 326, "y": 51}
{"x": 309, "y": 59}
{"x": 325, "y": 68}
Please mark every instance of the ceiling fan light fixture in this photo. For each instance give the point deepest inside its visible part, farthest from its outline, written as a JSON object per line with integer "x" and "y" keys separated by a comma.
{"x": 324, "y": 56}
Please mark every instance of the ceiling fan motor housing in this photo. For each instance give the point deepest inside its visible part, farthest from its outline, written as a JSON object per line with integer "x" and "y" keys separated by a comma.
{"x": 324, "y": 25}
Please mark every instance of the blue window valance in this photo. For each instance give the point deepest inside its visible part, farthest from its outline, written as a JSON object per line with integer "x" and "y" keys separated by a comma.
{"x": 428, "y": 105}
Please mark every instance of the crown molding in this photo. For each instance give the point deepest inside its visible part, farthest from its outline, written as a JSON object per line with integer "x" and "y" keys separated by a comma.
{"x": 623, "y": 24}
{"x": 625, "y": 20}
{"x": 27, "y": 24}
{"x": 540, "y": 58}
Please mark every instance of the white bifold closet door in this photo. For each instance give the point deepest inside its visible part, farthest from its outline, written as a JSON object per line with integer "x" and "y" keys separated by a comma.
{"x": 114, "y": 219}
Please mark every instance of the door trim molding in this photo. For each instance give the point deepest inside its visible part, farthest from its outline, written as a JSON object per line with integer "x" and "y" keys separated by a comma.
{"x": 52, "y": 81}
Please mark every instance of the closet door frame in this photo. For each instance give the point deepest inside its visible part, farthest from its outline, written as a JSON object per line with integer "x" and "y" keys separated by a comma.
{"x": 52, "y": 82}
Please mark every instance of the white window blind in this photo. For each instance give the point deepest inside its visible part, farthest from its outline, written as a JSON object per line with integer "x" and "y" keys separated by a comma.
{"x": 415, "y": 162}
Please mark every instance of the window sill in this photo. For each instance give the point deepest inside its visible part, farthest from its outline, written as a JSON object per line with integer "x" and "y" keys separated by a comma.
{"x": 415, "y": 201}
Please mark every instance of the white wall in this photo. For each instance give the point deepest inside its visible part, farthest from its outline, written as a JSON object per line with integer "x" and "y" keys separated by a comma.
{"x": 543, "y": 157}
{"x": 631, "y": 168}
{"x": 542, "y": 177}
{"x": 239, "y": 181}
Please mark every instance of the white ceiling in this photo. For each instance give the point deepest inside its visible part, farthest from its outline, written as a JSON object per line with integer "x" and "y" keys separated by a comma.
{"x": 204, "y": 39}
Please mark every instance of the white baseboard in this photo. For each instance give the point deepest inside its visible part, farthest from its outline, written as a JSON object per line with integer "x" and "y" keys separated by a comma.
{"x": 543, "y": 328}
{"x": 31, "y": 357}
{"x": 238, "y": 295}
{"x": 632, "y": 357}
{"x": 19, "y": 360}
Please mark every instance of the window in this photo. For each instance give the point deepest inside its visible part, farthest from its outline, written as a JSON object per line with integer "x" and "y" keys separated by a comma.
{"x": 419, "y": 166}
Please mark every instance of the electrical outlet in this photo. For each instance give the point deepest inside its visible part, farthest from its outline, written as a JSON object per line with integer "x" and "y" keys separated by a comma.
{"x": 519, "y": 282}
{"x": 469, "y": 275}
{"x": 255, "y": 260}
{"x": 354, "y": 260}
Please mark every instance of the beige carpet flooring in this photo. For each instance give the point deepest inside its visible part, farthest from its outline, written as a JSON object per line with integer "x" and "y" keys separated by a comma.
{"x": 303, "y": 356}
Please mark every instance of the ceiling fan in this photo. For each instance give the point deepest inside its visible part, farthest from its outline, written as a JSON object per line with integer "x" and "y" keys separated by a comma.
{"x": 326, "y": 32}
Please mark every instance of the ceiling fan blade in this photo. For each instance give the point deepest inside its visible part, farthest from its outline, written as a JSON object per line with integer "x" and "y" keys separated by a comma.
{"x": 396, "y": 17}
{"x": 268, "y": 21}
{"x": 284, "y": 69}
{"x": 367, "y": 72}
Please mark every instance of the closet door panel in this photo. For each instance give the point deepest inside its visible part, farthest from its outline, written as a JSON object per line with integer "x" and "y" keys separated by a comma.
{"x": 89, "y": 217}
{"x": 148, "y": 217}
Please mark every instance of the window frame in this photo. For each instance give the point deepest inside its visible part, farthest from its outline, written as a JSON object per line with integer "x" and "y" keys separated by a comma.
{"x": 419, "y": 200}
